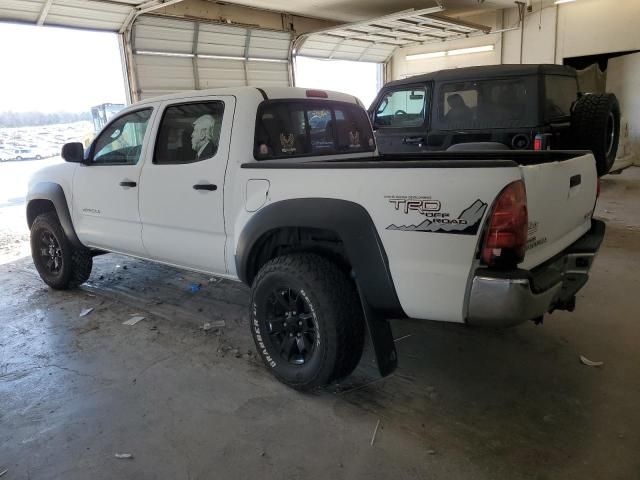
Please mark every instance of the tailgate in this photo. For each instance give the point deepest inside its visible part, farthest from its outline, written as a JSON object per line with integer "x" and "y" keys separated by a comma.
{"x": 560, "y": 199}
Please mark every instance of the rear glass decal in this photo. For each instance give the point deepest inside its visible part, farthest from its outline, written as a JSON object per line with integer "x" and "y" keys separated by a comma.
{"x": 287, "y": 143}
{"x": 354, "y": 139}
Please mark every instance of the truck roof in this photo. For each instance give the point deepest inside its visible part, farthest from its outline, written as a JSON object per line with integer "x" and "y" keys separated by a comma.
{"x": 487, "y": 72}
{"x": 269, "y": 92}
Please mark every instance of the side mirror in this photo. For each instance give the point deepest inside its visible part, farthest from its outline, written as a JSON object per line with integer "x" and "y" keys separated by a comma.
{"x": 73, "y": 152}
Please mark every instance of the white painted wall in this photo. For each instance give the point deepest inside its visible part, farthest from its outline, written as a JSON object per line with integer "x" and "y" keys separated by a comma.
{"x": 588, "y": 27}
{"x": 538, "y": 37}
{"x": 584, "y": 27}
{"x": 401, "y": 68}
{"x": 623, "y": 79}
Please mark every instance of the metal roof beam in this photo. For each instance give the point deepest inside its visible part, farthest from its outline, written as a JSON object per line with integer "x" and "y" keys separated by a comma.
{"x": 43, "y": 13}
{"x": 145, "y": 8}
{"x": 459, "y": 23}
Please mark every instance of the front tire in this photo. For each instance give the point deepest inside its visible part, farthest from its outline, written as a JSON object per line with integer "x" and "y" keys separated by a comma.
{"x": 306, "y": 320}
{"x": 60, "y": 265}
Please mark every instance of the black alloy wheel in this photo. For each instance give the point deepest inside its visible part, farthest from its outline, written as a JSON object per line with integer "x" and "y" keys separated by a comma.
{"x": 291, "y": 326}
{"x": 50, "y": 252}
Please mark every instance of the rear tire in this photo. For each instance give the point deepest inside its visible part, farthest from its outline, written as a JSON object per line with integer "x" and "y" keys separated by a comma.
{"x": 306, "y": 320}
{"x": 60, "y": 265}
{"x": 595, "y": 122}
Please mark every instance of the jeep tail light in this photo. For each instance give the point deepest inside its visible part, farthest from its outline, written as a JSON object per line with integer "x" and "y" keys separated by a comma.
{"x": 537, "y": 143}
{"x": 506, "y": 234}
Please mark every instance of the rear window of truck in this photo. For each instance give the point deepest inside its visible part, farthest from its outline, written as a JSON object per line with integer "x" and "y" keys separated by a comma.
{"x": 300, "y": 128}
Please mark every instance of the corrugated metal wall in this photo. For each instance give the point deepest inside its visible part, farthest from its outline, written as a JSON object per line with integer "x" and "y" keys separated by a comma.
{"x": 173, "y": 55}
{"x": 69, "y": 13}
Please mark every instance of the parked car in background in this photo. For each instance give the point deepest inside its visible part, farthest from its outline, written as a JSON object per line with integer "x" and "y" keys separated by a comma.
{"x": 24, "y": 154}
{"x": 518, "y": 107}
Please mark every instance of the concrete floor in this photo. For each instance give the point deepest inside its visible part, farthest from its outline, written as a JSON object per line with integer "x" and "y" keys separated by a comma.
{"x": 464, "y": 403}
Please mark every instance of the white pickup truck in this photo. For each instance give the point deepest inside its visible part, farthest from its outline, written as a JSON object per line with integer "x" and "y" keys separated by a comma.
{"x": 284, "y": 190}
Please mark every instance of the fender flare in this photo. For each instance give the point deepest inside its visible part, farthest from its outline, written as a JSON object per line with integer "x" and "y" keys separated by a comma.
{"x": 55, "y": 194}
{"x": 351, "y": 222}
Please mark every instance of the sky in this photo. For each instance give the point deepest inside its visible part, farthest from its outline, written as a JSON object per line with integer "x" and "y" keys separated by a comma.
{"x": 50, "y": 69}
{"x": 355, "y": 78}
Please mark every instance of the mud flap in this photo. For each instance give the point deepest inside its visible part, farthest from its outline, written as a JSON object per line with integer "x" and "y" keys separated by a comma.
{"x": 381, "y": 338}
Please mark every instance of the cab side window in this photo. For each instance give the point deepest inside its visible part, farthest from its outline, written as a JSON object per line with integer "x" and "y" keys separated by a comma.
{"x": 121, "y": 142}
{"x": 189, "y": 133}
{"x": 405, "y": 107}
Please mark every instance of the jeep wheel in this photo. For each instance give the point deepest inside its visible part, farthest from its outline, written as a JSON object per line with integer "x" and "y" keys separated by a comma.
{"x": 595, "y": 123}
{"x": 60, "y": 265}
{"x": 306, "y": 320}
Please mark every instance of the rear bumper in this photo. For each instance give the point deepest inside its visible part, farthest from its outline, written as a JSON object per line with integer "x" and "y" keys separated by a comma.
{"x": 505, "y": 298}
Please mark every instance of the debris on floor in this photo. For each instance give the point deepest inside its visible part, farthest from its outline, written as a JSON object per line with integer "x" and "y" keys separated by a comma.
{"x": 124, "y": 455}
{"x": 210, "y": 325}
{"x": 195, "y": 287}
{"x": 86, "y": 312}
{"x": 401, "y": 338}
{"x": 375, "y": 432}
{"x": 590, "y": 363}
{"x": 133, "y": 320}
{"x": 3, "y": 472}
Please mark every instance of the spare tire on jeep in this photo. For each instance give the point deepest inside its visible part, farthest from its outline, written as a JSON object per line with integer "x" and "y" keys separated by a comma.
{"x": 595, "y": 122}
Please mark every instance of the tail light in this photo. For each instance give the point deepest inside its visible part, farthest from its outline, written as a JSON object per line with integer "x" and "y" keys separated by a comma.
{"x": 537, "y": 143}
{"x": 317, "y": 94}
{"x": 506, "y": 235}
{"x": 542, "y": 141}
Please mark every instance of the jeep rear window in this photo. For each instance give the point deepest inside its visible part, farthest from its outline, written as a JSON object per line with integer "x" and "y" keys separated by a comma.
{"x": 488, "y": 104}
{"x": 560, "y": 92}
{"x": 298, "y": 128}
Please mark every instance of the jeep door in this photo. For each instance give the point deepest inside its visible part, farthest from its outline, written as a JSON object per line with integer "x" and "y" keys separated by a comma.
{"x": 181, "y": 194}
{"x": 105, "y": 189}
{"x": 400, "y": 118}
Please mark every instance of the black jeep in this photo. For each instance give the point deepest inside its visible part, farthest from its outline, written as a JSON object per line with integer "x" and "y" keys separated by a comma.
{"x": 499, "y": 106}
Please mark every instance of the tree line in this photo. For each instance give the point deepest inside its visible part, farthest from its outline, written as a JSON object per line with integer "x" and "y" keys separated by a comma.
{"x": 32, "y": 119}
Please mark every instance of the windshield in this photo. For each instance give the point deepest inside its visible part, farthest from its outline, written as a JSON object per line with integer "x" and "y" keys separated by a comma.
{"x": 488, "y": 104}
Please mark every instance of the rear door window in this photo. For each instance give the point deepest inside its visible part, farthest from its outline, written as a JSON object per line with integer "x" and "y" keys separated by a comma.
{"x": 296, "y": 128}
{"x": 189, "y": 133}
{"x": 500, "y": 103}
{"x": 402, "y": 108}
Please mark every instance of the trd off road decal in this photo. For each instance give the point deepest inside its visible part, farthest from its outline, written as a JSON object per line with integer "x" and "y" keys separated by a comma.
{"x": 438, "y": 221}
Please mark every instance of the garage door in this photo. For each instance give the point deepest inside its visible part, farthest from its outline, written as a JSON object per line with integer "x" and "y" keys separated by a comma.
{"x": 376, "y": 39}
{"x": 174, "y": 55}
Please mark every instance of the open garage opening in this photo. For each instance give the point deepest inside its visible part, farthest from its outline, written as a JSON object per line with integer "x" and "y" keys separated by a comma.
{"x": 52, "y": 80}
{"x": 360, "y": 79}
